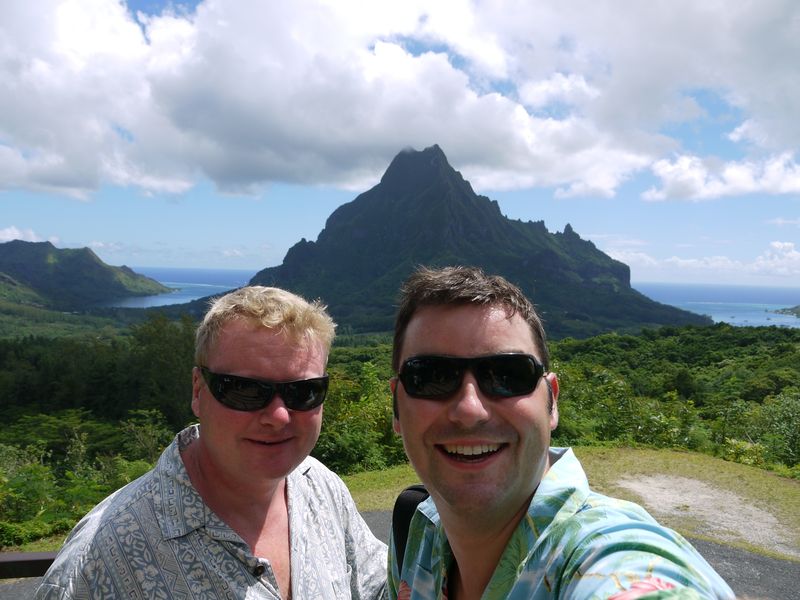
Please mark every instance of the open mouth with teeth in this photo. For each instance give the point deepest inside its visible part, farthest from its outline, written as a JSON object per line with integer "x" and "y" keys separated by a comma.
{"x": 470, "y": 453}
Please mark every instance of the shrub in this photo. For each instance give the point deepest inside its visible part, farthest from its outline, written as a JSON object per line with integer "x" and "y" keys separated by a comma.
{"x": 15, "y": 534}
{"x": 740, "y": 451}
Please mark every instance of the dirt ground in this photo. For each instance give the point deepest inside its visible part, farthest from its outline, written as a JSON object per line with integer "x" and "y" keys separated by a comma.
{"x": 712, "y": 512}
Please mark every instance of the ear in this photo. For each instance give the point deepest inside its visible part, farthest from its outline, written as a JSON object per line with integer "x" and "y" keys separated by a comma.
{"x": 552, "y": 379}
{"x": 197, "y": 384}
{"x": 395, "y": 420}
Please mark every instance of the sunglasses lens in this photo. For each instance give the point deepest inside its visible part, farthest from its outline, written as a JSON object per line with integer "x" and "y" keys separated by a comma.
{"x": 242, "y": 393}
{"x": 507, "y": 375}
{"x": 431, "y": 376}
{"x": 238, "y": 393}
{"x": 499, "y": 375}
{"x": 304, "y": 395}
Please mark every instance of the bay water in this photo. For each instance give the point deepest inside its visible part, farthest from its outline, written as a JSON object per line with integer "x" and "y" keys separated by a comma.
{"x": 740, "y": 305}
{"x": 187, "y": 285}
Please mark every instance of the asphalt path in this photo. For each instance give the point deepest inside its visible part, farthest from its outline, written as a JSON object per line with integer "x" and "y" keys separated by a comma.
{"x": 751, "y": 576}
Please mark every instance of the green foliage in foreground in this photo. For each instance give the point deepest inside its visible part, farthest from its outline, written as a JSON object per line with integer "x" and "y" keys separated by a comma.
{"x": 83, "y": 416}
{"x": 734, "y": 392}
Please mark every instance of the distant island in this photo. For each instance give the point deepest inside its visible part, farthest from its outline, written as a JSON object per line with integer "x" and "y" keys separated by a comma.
{"x": 795, "y": 310}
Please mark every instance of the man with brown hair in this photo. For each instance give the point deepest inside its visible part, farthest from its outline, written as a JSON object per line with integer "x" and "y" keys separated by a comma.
{"x": 508, "y": 516}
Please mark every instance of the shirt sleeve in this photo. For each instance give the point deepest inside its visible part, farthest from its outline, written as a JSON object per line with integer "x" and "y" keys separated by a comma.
{"x": 622, "y": 552}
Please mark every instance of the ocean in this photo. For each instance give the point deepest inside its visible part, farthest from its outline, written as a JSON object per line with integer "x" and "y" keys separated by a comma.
{"x": 187, "y": 284}
{"x": 745, "y": 306}
{"x": 739, "y": 305}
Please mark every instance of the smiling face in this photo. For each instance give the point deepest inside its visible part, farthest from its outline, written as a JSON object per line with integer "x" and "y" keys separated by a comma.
{"x": 475, "y": 454}
{"x": 246, "y": 448}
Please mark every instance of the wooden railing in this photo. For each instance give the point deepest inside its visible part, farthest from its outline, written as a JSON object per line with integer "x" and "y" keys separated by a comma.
{"x": 24, "y": 564}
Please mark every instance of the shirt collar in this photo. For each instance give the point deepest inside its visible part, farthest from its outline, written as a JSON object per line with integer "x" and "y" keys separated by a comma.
{"x": 178, "y": 506}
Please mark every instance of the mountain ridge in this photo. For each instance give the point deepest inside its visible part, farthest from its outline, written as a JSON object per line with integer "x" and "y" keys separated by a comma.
{"x": 423, "y": 212}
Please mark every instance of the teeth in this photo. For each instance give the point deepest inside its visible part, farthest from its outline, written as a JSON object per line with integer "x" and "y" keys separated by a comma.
{"x": 471, "y": 450}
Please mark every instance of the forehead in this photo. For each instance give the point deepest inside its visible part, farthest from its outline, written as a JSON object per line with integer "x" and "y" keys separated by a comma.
{"x": 243, "y": 344}
{"x": 466, "y": 330}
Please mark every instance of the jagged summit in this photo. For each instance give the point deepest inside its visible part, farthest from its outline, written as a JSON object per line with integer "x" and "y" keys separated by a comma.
{"x": 423, "y": 212}
{"x": 411, "y": 169}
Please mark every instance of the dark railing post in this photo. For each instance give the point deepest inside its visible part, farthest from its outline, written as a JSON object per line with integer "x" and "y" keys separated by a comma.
{"x": 25, "y": 564}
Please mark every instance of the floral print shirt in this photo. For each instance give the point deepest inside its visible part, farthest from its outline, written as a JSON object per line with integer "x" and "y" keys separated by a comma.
{"x": 572, "y": 543}
{"x": 156, "y": 539}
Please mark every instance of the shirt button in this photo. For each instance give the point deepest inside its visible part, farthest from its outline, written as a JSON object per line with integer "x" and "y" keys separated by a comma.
{"x": 259, "y": 570}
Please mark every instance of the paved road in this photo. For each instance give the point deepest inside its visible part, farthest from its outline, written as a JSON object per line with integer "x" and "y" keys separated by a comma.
{"x": 752, "y": 576}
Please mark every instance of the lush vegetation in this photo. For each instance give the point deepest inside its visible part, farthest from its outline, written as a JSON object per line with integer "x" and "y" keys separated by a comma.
{"x": 84, "y": 415}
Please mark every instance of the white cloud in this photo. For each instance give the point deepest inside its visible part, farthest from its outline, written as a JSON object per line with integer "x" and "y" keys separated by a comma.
{"x": 706, "y": 263}
{"x": 569, "y": 89}
{"x": 633, "y": 258}
{"x": 109, "y": 247}
{"x": 780, "y": 221}
{"x": 615, "y": 241}
{"x": 782, "y": 258}
{"x": 693, "y": 178}
{"x": 322, "y": 91}
{"x": 13, "y": 233}
{"x": 779, "y": 264}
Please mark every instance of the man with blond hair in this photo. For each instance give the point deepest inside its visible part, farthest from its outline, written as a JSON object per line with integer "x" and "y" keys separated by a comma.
{"x": 235, "y": 506}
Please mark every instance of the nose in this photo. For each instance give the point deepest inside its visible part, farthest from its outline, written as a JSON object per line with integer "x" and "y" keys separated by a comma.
{"x": 468, "y": 406}
{"x": 275, "y": 414}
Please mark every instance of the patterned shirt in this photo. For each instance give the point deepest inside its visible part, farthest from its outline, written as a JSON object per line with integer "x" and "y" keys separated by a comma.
{"x": 156, "y": 538}
{"x": 572, "y": 543}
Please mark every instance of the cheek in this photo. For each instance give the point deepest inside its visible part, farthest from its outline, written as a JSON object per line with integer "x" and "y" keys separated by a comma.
{"x": 310, "y": 422}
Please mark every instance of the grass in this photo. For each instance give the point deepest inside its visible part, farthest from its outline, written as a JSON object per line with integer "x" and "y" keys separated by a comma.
{"x": 377, "y": 490}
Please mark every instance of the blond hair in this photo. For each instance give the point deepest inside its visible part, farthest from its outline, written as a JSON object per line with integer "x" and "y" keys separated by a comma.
{"x": 272, "y": 308}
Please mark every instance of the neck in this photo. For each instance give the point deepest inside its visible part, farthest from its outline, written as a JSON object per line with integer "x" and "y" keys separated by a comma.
{"x": 476, "y": 551}
{"x": 244, "y": 505}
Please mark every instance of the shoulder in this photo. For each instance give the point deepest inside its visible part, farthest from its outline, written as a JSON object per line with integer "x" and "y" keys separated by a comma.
{"x": 84, "y": 549}
{"x": 608, "y": 535}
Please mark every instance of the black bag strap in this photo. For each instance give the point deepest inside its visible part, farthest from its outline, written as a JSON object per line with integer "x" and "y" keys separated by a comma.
{"x": 404, "y": 508}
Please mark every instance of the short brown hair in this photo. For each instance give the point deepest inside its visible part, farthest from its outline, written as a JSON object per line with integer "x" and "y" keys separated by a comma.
{"x": 272, "y": 308}
{"x": 460, "y": 286}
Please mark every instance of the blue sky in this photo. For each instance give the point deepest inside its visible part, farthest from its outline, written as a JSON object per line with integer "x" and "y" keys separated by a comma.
{"x": 218, "y": 133}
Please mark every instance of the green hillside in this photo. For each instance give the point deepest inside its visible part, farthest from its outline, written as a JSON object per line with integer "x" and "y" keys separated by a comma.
{"x": 39, "y": 274}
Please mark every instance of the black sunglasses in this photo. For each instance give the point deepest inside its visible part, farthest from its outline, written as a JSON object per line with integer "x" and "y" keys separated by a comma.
{"x": 435, "y": 377}
{"x": 243, "y": 393}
